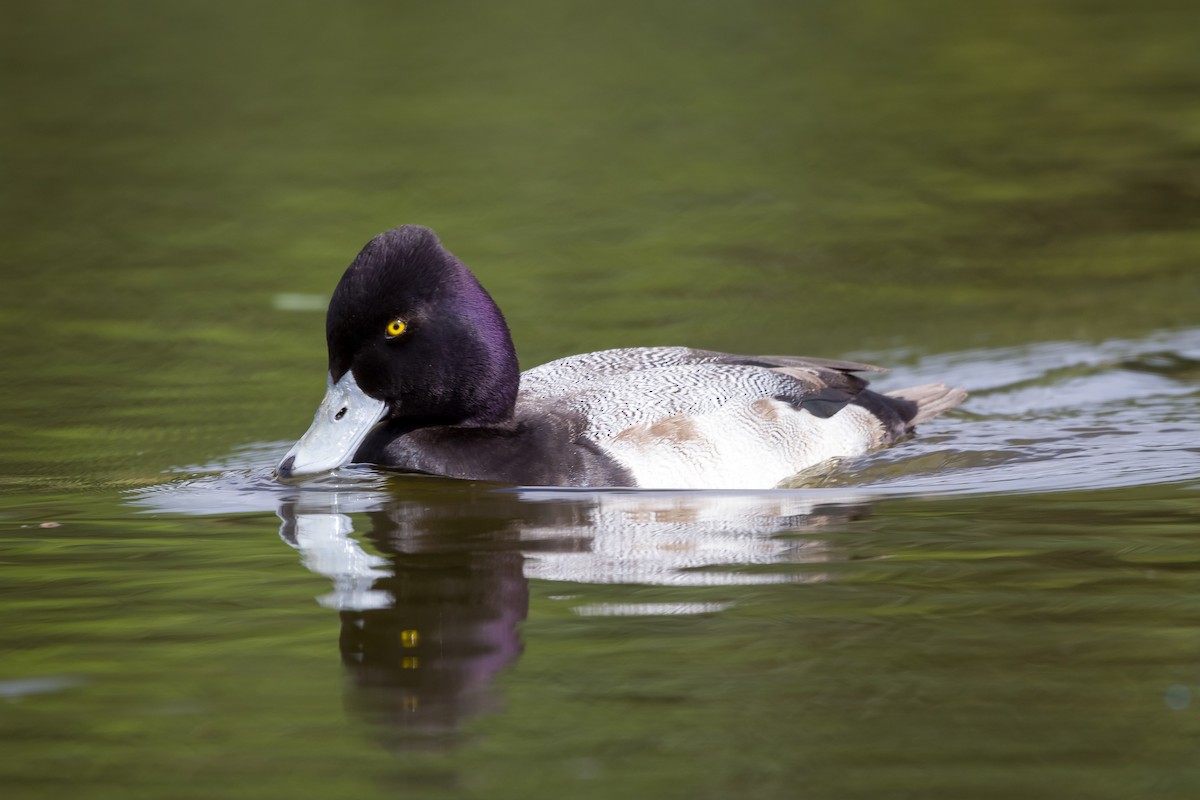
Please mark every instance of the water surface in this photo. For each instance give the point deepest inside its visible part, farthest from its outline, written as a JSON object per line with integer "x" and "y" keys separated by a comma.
{"x": 1002, "y": 197}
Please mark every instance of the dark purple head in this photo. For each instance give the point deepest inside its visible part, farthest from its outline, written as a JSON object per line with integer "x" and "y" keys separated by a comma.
{"x": 417, "y": 331}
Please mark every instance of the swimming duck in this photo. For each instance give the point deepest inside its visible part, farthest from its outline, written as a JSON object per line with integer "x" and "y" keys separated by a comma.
{"x": 423, "y": 377}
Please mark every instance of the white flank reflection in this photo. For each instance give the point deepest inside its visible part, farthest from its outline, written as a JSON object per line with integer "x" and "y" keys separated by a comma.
{"x": 679, "y": 538}
{"x": 649, "y": 609}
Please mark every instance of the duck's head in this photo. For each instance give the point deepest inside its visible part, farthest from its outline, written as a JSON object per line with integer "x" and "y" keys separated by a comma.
{"x": 413, "y": 337}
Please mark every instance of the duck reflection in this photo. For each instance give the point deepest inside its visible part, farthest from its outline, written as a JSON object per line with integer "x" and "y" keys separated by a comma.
{"x": 426, "y": 626}
{"x": 428, "y": 623}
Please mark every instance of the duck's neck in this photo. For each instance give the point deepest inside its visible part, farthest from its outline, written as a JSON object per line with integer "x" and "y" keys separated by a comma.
{"x": 494, "y": 391}
{"x": 492, "y": 375}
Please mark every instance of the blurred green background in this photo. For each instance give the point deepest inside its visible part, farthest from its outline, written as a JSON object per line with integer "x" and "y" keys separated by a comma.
{"x": 819, "y": 177}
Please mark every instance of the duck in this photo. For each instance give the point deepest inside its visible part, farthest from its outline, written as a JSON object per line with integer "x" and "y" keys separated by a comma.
{"x": 423, "y": 378}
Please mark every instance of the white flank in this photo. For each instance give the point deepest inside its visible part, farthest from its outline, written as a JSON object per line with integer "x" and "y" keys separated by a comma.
{"x": 740, "y": 447}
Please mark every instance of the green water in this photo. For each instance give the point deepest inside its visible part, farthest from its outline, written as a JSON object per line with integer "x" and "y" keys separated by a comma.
{"x": 1004, "y": 196}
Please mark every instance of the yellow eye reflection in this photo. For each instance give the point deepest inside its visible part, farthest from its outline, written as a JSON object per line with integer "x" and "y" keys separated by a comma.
{"x": 396, "y": 327}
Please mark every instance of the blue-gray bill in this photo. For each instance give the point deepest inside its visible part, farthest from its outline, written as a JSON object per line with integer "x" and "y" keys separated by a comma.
{"x": 343, "y": 420}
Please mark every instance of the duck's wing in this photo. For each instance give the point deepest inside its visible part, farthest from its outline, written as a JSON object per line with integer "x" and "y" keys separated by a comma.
{"x": 645, "y": 396}
{"x": 585, "y": 371}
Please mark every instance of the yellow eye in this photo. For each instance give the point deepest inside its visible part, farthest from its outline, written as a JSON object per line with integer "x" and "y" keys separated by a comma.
{"x": 396, "y": 327}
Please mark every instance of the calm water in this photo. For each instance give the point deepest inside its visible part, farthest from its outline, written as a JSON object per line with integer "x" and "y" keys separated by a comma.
{"x": 1006, "y": 198}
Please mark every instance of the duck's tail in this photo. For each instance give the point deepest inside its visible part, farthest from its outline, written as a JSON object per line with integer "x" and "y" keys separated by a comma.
{"x": 928, "y": 401}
